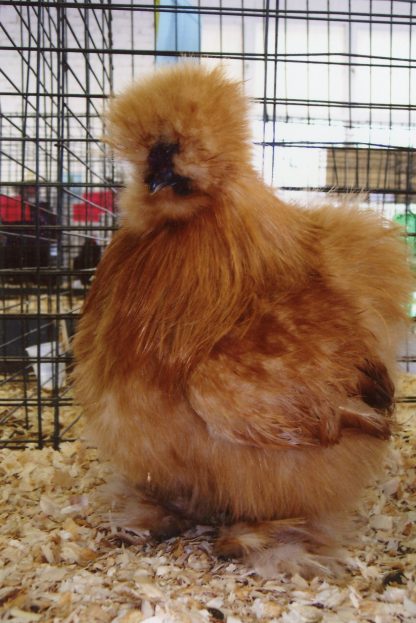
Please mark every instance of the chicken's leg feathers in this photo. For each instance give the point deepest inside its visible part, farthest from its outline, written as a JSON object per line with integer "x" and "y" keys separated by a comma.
{"x": 295, "y": 545}
{"x": 375, "y": 386}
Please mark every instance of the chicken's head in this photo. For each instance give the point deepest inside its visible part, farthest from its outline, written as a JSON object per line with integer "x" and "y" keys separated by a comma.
{"x": 185, "y": 131}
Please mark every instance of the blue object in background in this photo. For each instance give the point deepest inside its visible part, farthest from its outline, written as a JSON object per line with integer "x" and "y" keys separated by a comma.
{"x": 177, "y": 31}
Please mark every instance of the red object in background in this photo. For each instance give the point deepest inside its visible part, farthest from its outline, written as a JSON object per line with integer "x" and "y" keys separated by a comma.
{"x": 14, "y": 210}
{"x": 102, "y": 200}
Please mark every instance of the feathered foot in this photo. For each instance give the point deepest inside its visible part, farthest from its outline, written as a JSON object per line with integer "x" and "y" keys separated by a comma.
{"x": 138, "y": 510}
{"x": 305, "y": 547}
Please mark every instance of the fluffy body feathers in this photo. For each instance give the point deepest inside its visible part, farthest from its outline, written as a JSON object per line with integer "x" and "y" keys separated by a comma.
{"x": 236, "y": 353}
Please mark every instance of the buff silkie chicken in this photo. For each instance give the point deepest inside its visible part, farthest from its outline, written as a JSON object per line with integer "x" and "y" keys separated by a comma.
{"x": 236, "y": 354}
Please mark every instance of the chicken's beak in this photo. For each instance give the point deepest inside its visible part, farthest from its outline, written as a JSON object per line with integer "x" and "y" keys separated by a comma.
{"x": 181, "y": 185}
{"x": 154, "y": 185}
{"x": 159, "y": 180}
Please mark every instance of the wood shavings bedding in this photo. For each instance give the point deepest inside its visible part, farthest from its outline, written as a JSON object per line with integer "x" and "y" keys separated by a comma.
{"x": 61, "y": 560}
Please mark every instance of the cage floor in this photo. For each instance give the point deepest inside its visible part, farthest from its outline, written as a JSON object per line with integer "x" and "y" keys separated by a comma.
{"x": 62, "y": 560}
{"x": 19, "y": 424}
{"x": 24, "y": 406}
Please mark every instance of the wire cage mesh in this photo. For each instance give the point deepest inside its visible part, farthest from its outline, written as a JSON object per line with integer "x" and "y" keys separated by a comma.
{"x": 333, "y": 86}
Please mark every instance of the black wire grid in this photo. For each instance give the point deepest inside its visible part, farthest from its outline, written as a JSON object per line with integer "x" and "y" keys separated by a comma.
{"x": 333, "y": 85}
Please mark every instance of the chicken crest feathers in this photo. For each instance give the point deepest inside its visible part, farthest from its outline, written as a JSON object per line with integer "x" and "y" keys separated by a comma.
{"x": 201, "y": 109}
